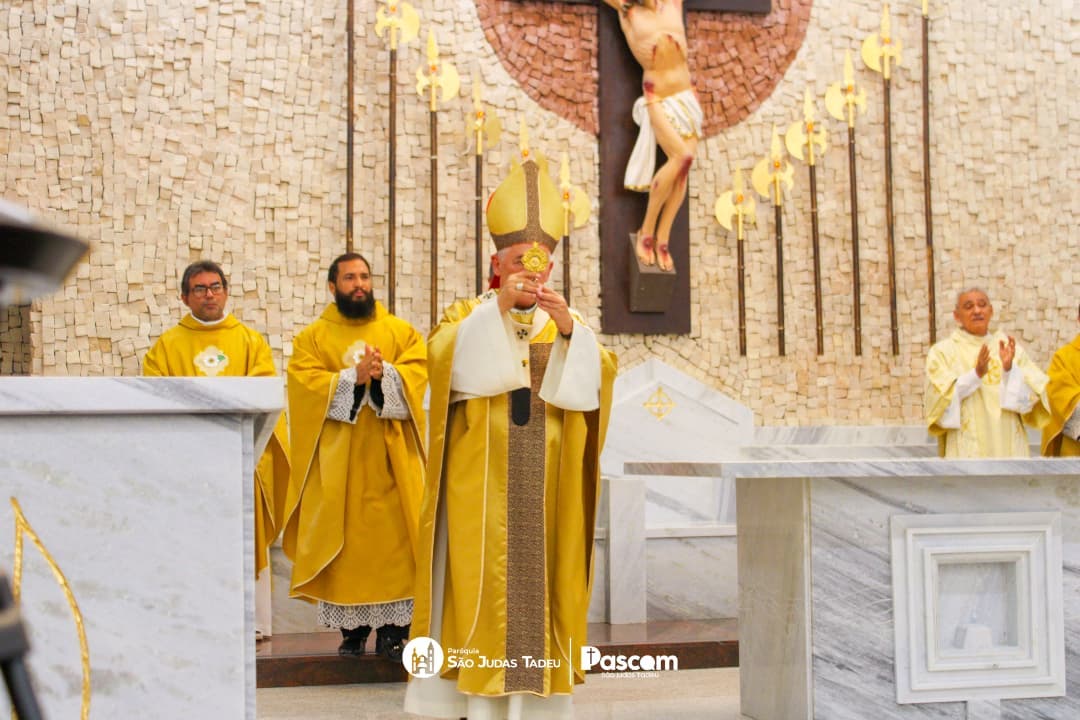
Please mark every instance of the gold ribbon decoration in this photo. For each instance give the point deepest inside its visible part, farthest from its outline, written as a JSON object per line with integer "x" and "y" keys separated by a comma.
{"x": 23, "y": 528}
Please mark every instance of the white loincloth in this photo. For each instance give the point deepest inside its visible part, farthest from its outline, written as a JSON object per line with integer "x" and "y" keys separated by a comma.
{"x": 684, "y": 113}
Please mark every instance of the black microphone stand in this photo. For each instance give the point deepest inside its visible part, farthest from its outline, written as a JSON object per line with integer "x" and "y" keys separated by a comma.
{"x": 13, "y": 645}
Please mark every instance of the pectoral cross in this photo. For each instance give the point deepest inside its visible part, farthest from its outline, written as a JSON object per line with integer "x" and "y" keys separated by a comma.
{"x": 621, "y": 210}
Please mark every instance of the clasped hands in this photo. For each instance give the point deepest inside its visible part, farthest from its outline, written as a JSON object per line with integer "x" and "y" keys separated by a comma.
{"x": 1006, "y": 351}
{"x": 370, "y": 366}
{"x": 522, "y": 289}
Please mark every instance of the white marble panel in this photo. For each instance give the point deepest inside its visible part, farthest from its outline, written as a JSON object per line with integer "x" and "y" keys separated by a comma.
{"x": 853, "y": 612}
{"x": 687, "y": 502}
{"x": 977, "y": 606}
{"x": 774, "y": 599}
{"x": 885, "y": 468}
{"x": 689, "y": 551}
{"x": 290, "y": 615}
{"x": 839, "y": 442}
{"x": 262, "y": 398}
{"x": 625, "y": 500}
{"x": 855, "y": 436}
{"x": 143, "y": 515}
{"x": 598, "y": 603}
{"x": 138, "y": 395}
{"x": 692, "y": 578}
{"x": 701, "y": 424}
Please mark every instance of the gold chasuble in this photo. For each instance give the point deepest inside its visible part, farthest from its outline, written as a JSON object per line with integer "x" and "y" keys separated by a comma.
{"x": 231, "y": 349}
{"x": 354, "y": 499}
{"x": 1063, "y": 391}
{"x": 986, "y": 430}
{"x": 513, "y": 483}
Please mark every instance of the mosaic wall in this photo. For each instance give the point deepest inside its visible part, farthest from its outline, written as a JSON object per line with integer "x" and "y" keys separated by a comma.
{"x": 167, "y": 132}
{"x": 15, "y": 340}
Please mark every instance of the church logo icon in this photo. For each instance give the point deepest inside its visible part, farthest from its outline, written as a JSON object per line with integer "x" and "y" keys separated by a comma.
{"x": 422, "y": 657}
{"x": 590, "y": 656}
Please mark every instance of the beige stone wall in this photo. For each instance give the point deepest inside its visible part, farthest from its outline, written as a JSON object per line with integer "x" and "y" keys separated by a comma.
{"x": 15, "y": 340}
{"x": 167, "y": 132}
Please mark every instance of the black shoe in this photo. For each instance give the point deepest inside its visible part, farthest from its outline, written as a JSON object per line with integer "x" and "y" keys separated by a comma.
{"x": 390, "y": 641}
{"x": 355, "y": 641}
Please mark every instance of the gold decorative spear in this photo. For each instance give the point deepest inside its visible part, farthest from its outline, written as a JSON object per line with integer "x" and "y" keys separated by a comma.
{"x": 399, "y": 21}
{"x": 735, "y": 203}
{"x": 928, "y": 206}
{"x": 431, "y": 78}
{"x": 880, "y": 51}
{"x": 485, "y": 127}
{"x": 842, "y": 100}
{"x": 769, "y": 177}
{"x": 350, "y": 121}
{"x": 801, "y": 138}
{"x": 574, "y": 202}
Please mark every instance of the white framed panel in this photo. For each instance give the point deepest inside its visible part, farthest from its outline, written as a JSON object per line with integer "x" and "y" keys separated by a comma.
{"x": 977, "y": 606}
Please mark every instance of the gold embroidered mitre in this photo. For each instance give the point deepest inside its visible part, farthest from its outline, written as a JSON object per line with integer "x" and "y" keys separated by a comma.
{"x": 526, "y": 207}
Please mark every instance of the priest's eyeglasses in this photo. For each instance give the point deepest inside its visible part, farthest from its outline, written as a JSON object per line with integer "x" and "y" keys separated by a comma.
{"x": 203, "y": 290}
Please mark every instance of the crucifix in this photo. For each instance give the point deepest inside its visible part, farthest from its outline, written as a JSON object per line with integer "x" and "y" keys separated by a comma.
{"x": 622, "y": 210}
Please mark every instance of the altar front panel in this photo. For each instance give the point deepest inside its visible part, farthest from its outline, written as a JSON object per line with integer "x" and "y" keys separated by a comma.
{"x": 140, "y": 491}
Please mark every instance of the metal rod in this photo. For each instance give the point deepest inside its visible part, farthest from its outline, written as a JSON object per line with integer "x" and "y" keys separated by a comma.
{"x": 479, "y": 199}
{"x": 779, "y": 219}
{"x": 434, "y": 217}
{"x": 566, "y": 267}
{"x": 889, "y": 236}
{"x": 856, "y": 276}
{"x": 391, "y": 219}
{"x": 928, "y": 206}
{"x": 350, "y": 124}
{"x": 817, "y": 260}
{"x": 742, "y": 291}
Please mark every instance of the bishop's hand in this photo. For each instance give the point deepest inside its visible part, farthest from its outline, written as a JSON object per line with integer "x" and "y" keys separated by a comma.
{"x": 555, "y": 305}
{"x": 518, "y": 290}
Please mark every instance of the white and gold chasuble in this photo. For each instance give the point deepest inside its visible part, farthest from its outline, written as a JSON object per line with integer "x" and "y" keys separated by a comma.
{"x": 518, "y": 418}
{"x": 983, "y": 427}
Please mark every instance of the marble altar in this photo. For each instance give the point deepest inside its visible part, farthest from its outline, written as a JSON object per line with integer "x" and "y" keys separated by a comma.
{"x": 919, "y": 588}
{"x": 140, "y": 489}
{"x": 666, "y": 545}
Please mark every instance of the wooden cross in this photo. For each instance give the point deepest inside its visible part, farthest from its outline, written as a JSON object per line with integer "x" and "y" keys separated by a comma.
{"x": 621, "y": 210}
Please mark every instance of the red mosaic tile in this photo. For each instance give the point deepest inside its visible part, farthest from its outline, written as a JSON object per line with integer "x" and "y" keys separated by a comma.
{"x": 550, "y": 48}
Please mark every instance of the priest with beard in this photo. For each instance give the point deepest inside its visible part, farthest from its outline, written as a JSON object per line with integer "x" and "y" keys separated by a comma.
{"x": 356, "y": 384}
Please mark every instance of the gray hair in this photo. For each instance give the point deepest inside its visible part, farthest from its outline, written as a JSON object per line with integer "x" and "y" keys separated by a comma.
{"x": 973, "y": 288}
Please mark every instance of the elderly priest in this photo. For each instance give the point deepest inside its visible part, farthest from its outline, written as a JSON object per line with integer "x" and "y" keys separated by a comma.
{"x": 982, "y": 390}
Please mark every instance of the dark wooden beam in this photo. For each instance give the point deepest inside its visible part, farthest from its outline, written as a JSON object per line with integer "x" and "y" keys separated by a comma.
{"x": 621, "y": 210}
